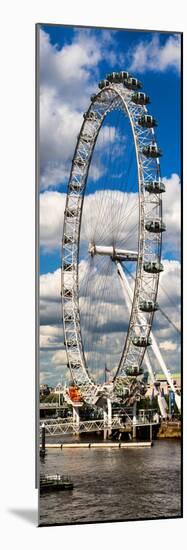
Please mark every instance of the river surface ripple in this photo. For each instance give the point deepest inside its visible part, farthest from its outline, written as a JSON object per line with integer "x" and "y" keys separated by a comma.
{"x": 114, "y": 484}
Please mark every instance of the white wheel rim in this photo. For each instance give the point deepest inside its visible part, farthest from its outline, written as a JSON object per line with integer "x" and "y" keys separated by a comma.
{"x": 149, "y": 244}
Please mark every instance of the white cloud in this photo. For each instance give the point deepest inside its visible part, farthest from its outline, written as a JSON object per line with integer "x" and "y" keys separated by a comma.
{"x": 117, "y": 205}
{"x": 53, "y": 360}
{"x": 52, "y": 376}
{"x": 172, "y": 215}
{"x": 50, "y": 301}
{"x": 46, "y": 377}
{"x": 60, "y": 358}
{"x": 68, "y": 69}
{"x": 50, "y": 336}
{"x": 52, "y": 206}
{"x": 59, "y": 127}
{"x": 167, "y": 345}
{"x": 154, "y": 56}
{"x": 68, "y": 76}
{"x": 104, "y": 324}
{"x": 169, "y": 299}
{"x": 170, "y": 281}
{"x": 50, "y": 286}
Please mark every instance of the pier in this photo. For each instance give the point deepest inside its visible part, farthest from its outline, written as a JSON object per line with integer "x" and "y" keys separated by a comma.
{"x": 109, "y": 445}
{"x": 128, "y": 424}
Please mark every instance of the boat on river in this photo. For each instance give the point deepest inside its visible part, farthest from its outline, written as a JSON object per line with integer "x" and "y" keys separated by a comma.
{"x": 55, "y": 482}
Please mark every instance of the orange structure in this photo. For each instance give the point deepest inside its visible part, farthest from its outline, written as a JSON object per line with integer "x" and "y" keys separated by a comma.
{"x": 74, "y": 394}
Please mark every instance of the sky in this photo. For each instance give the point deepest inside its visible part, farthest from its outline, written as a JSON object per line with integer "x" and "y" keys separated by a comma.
{"x": 72, "y": 61}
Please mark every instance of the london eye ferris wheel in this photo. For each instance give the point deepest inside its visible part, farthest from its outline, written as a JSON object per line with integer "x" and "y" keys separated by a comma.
{"x": 112, "y": 239}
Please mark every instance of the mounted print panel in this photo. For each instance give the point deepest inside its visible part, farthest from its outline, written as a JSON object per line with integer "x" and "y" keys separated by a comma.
{"x": 109, "y": 162}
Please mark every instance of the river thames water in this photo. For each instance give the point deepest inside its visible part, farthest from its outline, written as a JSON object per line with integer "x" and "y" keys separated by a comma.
{"x": 114, "y": 484}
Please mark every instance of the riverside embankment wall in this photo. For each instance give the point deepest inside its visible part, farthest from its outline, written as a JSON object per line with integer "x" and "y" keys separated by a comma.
{"x": 169, "y": 430}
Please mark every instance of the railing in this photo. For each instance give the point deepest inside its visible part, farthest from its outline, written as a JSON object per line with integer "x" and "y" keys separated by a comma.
{"x": 53, "y": 405}
{"x": 59, "y": 427}
{"x": 54, "y": 427}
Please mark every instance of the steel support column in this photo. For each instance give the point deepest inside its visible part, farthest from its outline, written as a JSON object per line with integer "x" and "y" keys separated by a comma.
{"x": 134, "y": 421}
{"x": 76, "y": 418}
{"x": 128, "y": 292}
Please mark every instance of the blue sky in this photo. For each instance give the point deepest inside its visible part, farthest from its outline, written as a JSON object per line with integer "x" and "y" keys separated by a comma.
{"x": 162, "y": 86}
{"x": 72, "y": 61}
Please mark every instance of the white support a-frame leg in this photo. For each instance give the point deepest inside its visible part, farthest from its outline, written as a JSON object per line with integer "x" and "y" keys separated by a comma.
{"x": 129, "y": 297}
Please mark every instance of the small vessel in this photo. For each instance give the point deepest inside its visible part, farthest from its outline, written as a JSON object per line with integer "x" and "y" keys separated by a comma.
{"x": 42, "y": 453}
{"x": 55, "y": 482}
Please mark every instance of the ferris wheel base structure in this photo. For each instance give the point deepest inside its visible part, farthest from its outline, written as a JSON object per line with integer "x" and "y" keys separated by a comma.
{"x": 160, "y": 361}
{"x": 120, "y": 91}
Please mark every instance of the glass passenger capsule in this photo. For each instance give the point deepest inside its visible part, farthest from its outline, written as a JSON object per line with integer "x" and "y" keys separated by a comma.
{"x": 152, "y": 151}
{"x": 155, "y": 226}
{"x": 141, "y": 341}
{"x": 103, "y": 83}
{"x": 86, "y": 138}
{"x": 133, "y": 83}
{"x": 91, "y": 115}
{"x": 124, "y": 75}
{"x": 134, "y": 371}
{"x": 155, "y": 187}
{"x": 148, "y": 306}
{"x": 153, "y": 267}
{"x": 114, "y": 77}
{"x": 100, "y": 98}
{"x": 140, "y": 98}
{"x": 147, "y": 121}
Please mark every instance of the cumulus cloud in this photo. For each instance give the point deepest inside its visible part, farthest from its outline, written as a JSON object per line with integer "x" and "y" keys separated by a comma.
{"x": 52, "y": 376}
{"x": 68, "y": 76}
{"x": 108, "y": 217}
{"x": 119, "y": 212}
{"x": 50, "y": 302}
{"x": 152, "y": 55}
{"x": 60, "y": 358}
{"x": 68, "y": 69}
{"x": 108, "y": 207}
{"x": 98, "y": 277}
{"x": 50, "y": 337}
{"x": 172, "y": 215}
{"x": 59, "y": 127}
{"x": 113, "y": 317}
{"x": 53, "y": 361}
{"x": 170, "y": 283}
{"x": 169, "y": 299}
{"x": 168, "y": 346}
{"x": 52, "y": 206}
{"x": 104, "y": 324}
